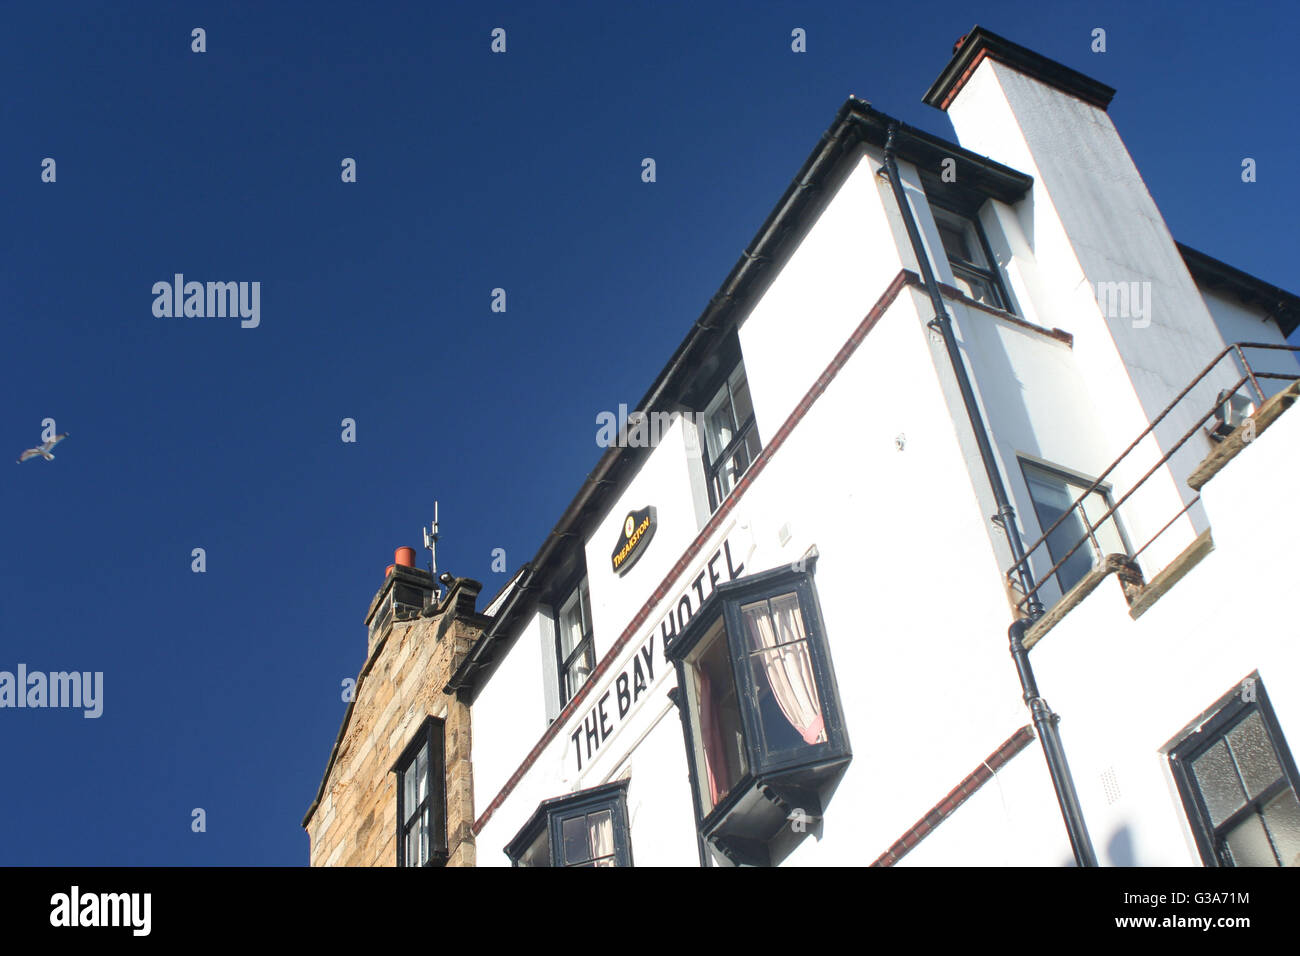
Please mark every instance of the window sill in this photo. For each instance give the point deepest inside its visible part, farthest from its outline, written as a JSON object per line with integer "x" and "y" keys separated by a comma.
{"x": 1128, "y": 573}
{"x": 769, "y": 813}
{"x": 1059, "y": 335}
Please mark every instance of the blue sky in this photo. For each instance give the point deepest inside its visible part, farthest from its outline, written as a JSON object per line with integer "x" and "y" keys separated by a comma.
{"x": 474, "y": 171}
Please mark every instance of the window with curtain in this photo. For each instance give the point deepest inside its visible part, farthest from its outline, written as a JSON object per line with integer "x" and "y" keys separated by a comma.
{"x": 421, "y": 799}
{"x": 760, "y": 711}
{"x": 584, "y": 829}
{"x": 781, "y": 669}
{"x": 1238, "y": 782}
{"x": 714, "y": 711}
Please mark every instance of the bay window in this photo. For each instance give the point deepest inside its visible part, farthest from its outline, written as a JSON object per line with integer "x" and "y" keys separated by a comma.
{"x": 584, "y": 829}
{"x": 764, "y": 731}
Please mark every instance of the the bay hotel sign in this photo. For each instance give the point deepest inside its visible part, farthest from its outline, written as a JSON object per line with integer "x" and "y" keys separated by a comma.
{"x": 624, "y": 694}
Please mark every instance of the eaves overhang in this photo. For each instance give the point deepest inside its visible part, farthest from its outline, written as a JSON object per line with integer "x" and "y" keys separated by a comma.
{"x": 1281, "y": 306}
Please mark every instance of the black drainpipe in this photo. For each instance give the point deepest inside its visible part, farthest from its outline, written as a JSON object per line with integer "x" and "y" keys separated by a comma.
{"x": 1045, "y": 720}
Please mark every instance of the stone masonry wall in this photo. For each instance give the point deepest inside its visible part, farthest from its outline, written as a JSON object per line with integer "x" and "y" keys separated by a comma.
{"x": 355, "y": 823}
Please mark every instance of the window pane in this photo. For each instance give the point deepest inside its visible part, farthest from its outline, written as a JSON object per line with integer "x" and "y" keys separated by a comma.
{"x": 1220, "y": 786}
{"x": 719, "y": 428}
{"x": 409, "y": 801}
{"x": 424, "y": 836}
{"x": 1254, "y": 754}
{"x": 577, "y": 674}
{"x": 961, "y": 238}
{"x": 782, "y": 674}
{"x": 538, "y": 852}
{"x": 976, "y": 287}
{"x": 601, "y": 829}
{"x": 584, "y": 598}
{"x": 422, "y": 774}
{"x": 955, "y": 241}
{"x": 1282, "y": 817}
{"x": 741, "y": 400}
{"x": 570, "y": 628}
{"x": 417, "y": 841}
{"x": 1248, "y": 844}
{"x": 1107, "y": 533}
{"x": 715, "y": 719}
{"x": 734, "y": 468}
{"x": 574, "y": 839}
{"x": 1052, "y": 498}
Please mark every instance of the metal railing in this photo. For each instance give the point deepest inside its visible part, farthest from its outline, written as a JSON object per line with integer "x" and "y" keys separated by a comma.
{"x": 1029, "y": 603}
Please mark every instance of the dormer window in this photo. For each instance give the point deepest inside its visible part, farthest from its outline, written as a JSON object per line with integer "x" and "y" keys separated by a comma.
{"x": 574, "y": 646}
{"x": 730, "y": 439}
{"x": 584, "y": 829}
{"x": 972, "y": 263}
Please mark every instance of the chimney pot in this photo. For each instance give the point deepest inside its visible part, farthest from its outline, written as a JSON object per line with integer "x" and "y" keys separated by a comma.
{"x": 405, "y": 557}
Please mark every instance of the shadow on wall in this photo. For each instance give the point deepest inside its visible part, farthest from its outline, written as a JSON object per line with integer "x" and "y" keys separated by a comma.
{"x": 1119, "y": 849}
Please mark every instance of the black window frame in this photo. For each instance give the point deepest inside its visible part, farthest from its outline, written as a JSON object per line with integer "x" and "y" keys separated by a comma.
{"x": 585, "y": 647}
{"x": 1230, "y": 711}
{"x": 799, "y": 777}
{"x": 740, "y": 439}
{"x": 548, "y": 820}
{"x": 430, "y": 735}
{"x": 964, "y": 268}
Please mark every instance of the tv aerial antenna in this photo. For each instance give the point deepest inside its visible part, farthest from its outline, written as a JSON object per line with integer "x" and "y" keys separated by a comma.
{"x": 431, "y": 542}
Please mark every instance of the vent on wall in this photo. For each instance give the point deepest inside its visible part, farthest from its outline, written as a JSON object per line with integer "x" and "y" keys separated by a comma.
{"x": 1110, "y": 784}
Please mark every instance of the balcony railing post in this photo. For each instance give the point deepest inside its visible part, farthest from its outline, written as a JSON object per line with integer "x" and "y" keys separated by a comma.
{"x": 1250, "y": 372}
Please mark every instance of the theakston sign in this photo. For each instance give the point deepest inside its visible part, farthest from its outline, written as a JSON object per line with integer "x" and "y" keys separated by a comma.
{"x": 641, "y": 670}
{"x": 638, "y": 529}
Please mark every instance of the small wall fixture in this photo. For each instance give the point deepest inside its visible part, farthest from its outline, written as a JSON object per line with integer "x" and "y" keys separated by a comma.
{"x": 1230, "y": 411}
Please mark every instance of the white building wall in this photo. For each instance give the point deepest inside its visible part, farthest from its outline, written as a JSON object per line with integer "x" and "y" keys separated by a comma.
{"x": 663, "y": 482}
{"x": 509, "y": 715}
{"x": 912, "y": 670}
{"x": 1013, "y": 820}
{"x": 910, "y": 574}
{"x": 832, "y": 280}
{"x": 918, "y": 645}
{"x": 1092, "y": 213}
{"x": 1241, "y": 323}
{"x": 1126, "y": 687}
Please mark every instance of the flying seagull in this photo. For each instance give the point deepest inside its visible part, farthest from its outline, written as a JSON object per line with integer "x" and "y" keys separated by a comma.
{"x": 43, "y": 450}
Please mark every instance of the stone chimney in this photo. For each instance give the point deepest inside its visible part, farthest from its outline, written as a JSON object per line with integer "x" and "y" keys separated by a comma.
{"x": 406, "y": 593}
{"x": 415, "y": 643}
{"x": 1093, "y": 226}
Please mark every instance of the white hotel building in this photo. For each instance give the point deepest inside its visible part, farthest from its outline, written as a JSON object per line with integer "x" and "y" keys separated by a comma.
{"x": 958, "y": 445}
